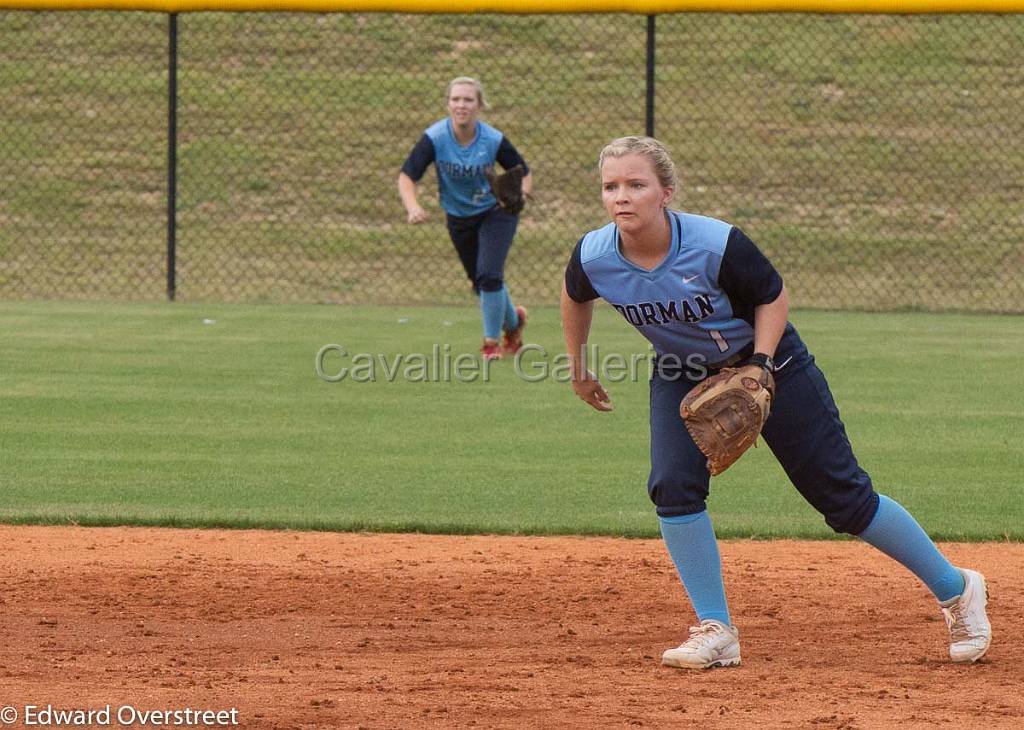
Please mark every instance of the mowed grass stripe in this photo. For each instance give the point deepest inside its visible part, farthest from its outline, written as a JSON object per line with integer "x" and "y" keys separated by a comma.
{"x": 204, "y": 415}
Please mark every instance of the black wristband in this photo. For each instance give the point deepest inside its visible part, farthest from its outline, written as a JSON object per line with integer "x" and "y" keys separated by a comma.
{"x": 765, "y": 361}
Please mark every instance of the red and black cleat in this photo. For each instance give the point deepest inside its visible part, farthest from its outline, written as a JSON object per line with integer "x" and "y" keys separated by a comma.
{"x": 490, "y": 351}
{"x": 512, "y": 340}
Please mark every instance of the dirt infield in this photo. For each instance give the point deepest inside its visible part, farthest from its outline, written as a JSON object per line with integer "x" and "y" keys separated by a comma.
{"x": 311, "y": 630}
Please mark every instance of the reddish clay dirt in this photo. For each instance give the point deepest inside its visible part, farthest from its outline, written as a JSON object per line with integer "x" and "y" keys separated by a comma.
{"x": 313, "y": 630}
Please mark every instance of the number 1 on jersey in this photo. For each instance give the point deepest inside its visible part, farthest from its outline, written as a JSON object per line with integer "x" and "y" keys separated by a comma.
{"x": 719, "y": 340}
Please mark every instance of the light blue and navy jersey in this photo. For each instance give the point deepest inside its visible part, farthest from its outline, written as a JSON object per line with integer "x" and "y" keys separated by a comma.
{"x": 699, "y": 301}
{"x": 464, "y": 189}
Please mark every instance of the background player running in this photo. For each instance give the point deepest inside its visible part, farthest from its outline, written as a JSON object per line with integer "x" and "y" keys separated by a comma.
{"x": 462, "y": 148}
{"x": 706, "y": 297}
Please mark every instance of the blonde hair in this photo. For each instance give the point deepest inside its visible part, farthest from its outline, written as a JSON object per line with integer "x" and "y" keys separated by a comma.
{"x": 649, "y": 147}
{"x": 475, "y": 83}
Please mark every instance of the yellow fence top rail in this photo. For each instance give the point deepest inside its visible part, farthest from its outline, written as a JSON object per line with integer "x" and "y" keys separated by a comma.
{"x": 644, "y": 7}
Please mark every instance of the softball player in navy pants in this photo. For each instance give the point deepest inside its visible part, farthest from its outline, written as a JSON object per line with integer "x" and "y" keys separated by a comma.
{"x": 462, "y": 148}
{"x": 707, "y": 298}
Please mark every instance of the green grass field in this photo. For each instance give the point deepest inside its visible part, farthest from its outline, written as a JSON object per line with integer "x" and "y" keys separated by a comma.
{"x": 213, "y": 415}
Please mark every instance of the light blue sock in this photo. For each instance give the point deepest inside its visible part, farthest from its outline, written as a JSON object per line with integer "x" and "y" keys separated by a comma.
{"x": 692, "y": 545}
{"x": 511, "y": 318}
{"x": 492, "y": 308}
{"x": 896, "y": 533}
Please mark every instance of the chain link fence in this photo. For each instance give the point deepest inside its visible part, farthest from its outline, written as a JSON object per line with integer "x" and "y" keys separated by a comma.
{"x": 878, "y": 160}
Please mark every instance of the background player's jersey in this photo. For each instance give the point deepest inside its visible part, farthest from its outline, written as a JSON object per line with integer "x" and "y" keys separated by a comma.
{"x": 698, "y": 301}
{"x": 464, "y": 189}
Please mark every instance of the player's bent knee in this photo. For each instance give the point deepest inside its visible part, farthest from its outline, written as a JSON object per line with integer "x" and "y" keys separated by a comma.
{"x": 675, "y": 510}
{"x": 675, "y": 500}
{"x": 489, "y": 282}
{"x": 854, "y": 519}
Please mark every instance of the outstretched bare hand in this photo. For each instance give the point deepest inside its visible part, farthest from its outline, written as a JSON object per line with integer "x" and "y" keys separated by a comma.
{"x": 591, "y": 392}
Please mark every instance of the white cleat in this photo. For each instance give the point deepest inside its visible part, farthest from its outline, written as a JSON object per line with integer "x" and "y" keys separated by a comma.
{"x": 712, "y": 644}
{"x": 970, "y": 633}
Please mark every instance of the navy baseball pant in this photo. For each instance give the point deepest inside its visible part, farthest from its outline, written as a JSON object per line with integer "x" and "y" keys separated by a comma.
{"x": 483, "y": 242}
{"x": 803, "y": 431}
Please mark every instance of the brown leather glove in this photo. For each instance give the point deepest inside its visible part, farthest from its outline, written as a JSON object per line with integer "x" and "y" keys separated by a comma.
{"x": 726, "y": 412}
{"x": 508, "y": 188}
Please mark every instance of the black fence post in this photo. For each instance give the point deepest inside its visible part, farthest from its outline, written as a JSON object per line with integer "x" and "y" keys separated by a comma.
{"x": 650, "y": 75}
{"x": 172, "y": 152}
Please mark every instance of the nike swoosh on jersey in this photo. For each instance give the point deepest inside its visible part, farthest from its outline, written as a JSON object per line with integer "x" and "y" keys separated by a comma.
{"x": 688, "y": 279}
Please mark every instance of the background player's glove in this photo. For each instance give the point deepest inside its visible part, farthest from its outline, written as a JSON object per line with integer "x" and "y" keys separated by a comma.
{"x": 726, "y": 412}
{"x": 508, "y": 188}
